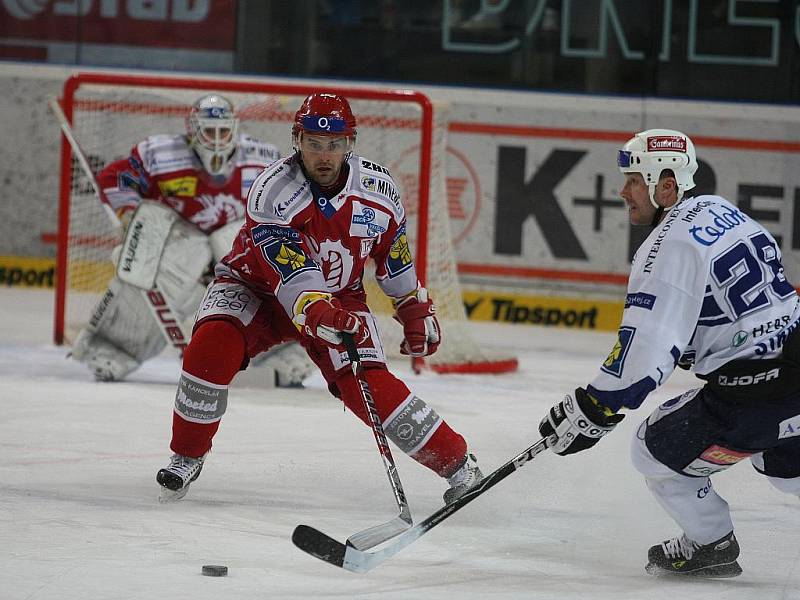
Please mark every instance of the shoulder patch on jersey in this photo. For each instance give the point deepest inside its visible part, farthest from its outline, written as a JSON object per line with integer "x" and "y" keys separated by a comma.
{"x": 254, "y": 151}
{"x": 164, "y": 153}
{"x": 399, "y": 259}
{"x": 288, "y": 259}
{"x": 640, "y": 300}
{"x": 376, "y": 183}
{"x": 368, "y": 221}
{"x": 615, "y": 362}
{"x": 372, "y": 166}
{"x": 278, "y": 193}
{"x": 264, "y": 232}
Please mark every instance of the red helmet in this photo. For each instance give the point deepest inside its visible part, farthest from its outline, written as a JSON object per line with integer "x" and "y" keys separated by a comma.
{"x": 325, "y": 114}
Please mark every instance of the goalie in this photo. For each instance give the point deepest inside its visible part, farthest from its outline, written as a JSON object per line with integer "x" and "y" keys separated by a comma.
{"x": 182, "y": 198}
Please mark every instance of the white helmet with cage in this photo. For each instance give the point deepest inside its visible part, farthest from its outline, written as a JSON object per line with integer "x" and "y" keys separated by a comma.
{"x": 653, "y": 151}
{"x": 211, "y": 128}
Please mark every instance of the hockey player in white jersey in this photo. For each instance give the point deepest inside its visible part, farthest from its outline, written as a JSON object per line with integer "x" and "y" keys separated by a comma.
{"x": 184, "y": 197}
{"x": 707, "y": 291}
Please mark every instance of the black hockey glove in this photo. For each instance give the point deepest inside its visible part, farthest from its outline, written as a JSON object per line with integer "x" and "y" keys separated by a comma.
{"x": 578, "y": 423}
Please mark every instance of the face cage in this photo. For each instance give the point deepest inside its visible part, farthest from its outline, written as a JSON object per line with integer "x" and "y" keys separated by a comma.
{"x": 215, "y": 155}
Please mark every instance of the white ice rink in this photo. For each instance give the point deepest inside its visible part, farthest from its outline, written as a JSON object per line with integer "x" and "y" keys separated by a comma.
{"x": 79, "y": 516}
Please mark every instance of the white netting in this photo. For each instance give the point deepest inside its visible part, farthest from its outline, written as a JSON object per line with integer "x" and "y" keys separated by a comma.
{"x": 109, "y": 118}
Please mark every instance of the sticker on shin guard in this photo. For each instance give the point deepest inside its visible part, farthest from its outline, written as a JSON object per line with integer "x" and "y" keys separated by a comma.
{"x": 199, "y": 401}
{"x": 412, "y": 424}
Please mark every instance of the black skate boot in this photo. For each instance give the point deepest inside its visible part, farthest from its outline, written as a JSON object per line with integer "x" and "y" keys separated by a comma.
{"x": 682, "y": 556}
{"x": 468, "y": 475}
{"x": 176, "y": 477}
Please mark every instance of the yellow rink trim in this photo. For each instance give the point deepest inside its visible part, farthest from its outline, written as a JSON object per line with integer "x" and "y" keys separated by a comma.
{"x": 549, "y": 311}
{"x": 25, "y": 271}
{"x": 22, "y": 271}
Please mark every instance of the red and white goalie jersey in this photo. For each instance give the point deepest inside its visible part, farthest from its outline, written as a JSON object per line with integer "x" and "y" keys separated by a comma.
{"x": 297, "y": 243}
{"x": 164, "y": 168}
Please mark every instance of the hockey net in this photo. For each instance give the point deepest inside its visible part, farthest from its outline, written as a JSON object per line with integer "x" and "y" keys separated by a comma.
{"x": 396, "y": 128}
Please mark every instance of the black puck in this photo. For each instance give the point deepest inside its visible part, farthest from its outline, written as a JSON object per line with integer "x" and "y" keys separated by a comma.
{"x": 215, "y": 570}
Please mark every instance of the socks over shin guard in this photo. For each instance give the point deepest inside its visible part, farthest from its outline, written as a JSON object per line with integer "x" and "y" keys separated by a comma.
{"x": 210, "y": 362}
{"x": 412, "y": 425}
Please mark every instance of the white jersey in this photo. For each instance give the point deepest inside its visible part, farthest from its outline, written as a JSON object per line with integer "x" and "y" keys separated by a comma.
{"x": 706, "y": 287}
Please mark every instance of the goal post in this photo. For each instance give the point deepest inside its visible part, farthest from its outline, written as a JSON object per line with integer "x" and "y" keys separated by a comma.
{"x": 400, "y": 129}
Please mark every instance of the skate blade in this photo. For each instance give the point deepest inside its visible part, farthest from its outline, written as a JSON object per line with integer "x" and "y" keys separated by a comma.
{"x": 716, "y": 572}
{"x": 167, "y": 495}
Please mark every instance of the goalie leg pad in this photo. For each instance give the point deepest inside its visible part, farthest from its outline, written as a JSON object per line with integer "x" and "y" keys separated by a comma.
{"x": 106, "y": 361}
{"x": 186, "y": 258}
{"x": 121, "y": 334}
{"x": 289, "y": 362}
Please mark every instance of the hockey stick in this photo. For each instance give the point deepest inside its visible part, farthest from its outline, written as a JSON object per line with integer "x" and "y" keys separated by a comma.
{"x": 377, "y": 534}
{"x": 168, "y": 323}
{"x": 353, "y": 559}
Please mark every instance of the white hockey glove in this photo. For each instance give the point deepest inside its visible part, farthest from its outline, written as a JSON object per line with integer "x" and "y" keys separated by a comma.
{"x": 578, "y": 423}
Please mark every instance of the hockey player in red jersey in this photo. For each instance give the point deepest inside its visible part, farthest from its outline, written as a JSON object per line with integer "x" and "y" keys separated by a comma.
{"x": 295, "y": 273}
{"x": 203, "y": 177}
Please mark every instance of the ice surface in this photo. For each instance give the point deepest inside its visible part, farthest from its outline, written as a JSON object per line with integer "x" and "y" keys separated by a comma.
{"x": 79, "y": 516}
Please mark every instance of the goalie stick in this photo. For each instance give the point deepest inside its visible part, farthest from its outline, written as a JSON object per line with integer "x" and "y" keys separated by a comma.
{"x": 347, "y": 556}
{"x": 377, "y": 534}
{"x": 168, "y": 323}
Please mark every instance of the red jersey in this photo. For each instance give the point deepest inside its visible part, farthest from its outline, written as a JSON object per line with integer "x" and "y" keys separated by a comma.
{"x": 297, "y": 244}
{"x": 164, "y": 168}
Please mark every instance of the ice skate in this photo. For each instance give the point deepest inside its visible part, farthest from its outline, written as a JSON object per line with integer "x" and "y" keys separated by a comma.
{"x": 176, "y": 477}
{"x": 682, "y": 556}
{"x": 468, "y": 475}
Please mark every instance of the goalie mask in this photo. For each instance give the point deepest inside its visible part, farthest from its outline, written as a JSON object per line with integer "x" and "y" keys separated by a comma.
{"x": 211, "y": 128}
{"x": 325, "y": 114}
{"x": 653, "y": 151}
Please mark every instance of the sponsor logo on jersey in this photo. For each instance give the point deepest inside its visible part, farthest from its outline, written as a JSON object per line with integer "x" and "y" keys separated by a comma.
{"x": 771, "y": 326}
{"x": 366, "y": 164}
{"x": 640, "y": 300}
{"x": 287, "y": 259}
{"x": 695, "y": 210}
{"x": 776, "y": 341}
{"x": 280, "y": 207}
{"x": 179, "y": 186}
{"x": 368, "y": 182}
{"x": 650, "y": 259}
{"x": 769, "y": 375}
{"x": 789, "y": 427}
{"x": 727, "y": 219}
{"x": 739, "y": 338}
{"x": 368, "y": 222}
{"x": 615, "y": 362}
{"x": 366, "y": 246}
{"x": 262, "y": 233}
{"x": 666, "y": 143}
{"x": 399, "y": 259}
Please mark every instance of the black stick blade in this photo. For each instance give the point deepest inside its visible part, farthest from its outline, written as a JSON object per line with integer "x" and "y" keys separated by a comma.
{"x": 316, "y": 543}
